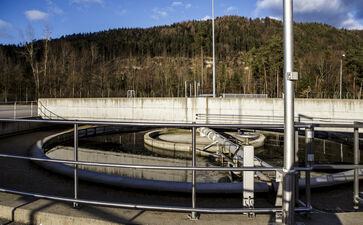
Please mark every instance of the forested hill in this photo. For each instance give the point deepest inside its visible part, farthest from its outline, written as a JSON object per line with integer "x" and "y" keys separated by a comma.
{"x": 156, "y": 61}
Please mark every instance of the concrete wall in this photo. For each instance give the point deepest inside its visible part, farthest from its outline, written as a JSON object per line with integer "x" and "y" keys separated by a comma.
{"x": 92, "y": 155}
{"x": 7, "y": 128}
{"x": 210, "y": 110}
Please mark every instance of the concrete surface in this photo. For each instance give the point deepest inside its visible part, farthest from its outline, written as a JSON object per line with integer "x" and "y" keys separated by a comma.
{"x": 21, "y": 111}
{"x": 92, "y": 155}
{"x": 210, "y": 110}
{"x": 8, "y": 128}
{"x": 331, "y": 205}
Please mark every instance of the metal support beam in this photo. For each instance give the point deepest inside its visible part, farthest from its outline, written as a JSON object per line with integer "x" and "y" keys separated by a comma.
{"x": 214, "y": 60}
{"x": 248, "y": 178}
{"x": 297, "y": 161}
{"x": 288, "y": 205}
{"x": 14, "y": 110}
{"x": 75, "y": 204}
{"x": 309, "y": 160}
{"x": 356, "y": 171}
{"x": 194, "y": 215}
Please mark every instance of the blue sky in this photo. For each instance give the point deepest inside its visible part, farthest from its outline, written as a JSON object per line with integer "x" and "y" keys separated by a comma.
{"x": 63, "y": 17}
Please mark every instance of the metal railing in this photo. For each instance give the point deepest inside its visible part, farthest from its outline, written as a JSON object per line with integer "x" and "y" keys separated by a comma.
{"x": 309, "y": 165}
{"x": 18, "y": 109}
{"x": 44, "y": 112}
{"x": 232, "y": 95}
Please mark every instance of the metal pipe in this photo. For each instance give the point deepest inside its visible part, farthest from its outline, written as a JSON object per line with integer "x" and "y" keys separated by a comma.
{"x": 75, "y": 204}
{"x": 186, "y": 88}
{"x": 341, "y": 77}
{"x": 14, "y": 110}
{"x": 146, "y": 207}
{"x": 356, "y": 172}
{"x": 214, "y": 61}
{"x": 309, "y": 159}
{"x": 336, "y": 167}
{"x": 194, "y": 214}
{"x": 289, "y": 180}
{"x": 195, "y": 88}
{"x": 297, "y": 177}
{"x": 31, "y": 109}
{"x": 151, "y": 124}
{"x": 134, "y": 166}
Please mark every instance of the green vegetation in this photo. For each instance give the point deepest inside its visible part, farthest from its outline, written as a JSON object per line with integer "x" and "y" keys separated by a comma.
{"x": 156, "y": 61}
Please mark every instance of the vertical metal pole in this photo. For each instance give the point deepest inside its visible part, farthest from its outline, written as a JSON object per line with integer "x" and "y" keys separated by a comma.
{"x": 75, "y": 204}
{"x": 31, "y": 109}
{"x": 186, "y": 88}
{"x": 288, "y": 206}
{"x": 248, "y": 178}
{"x": 14, "y": 110}
{"x": 297, "y": 177}
{"x": 190, "y": 89}
{"x": 214, "y": 60}
{"x": 194, "y": 215}
{"x": 341, "y": 77}
{"x": 309, "y": 159}
{"x": 356, "y": 171}
{"x": 195, "y": 88}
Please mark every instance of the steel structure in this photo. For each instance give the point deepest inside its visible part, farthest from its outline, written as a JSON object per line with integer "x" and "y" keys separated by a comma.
{"x": 288, "y": 197}
{"x": 305, "y": 206}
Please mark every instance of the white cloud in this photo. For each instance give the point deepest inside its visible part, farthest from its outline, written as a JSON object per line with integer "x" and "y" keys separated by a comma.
{"x": 5, "y": 30}
{"x": 4, "y": 24}
{"x": 176, "y": 4}
{"x": 334, "y": 12}
{"x": 275, "y": 18}
{"x": 352, "y": 23}
{"x": 230, "y": 9}
{"x": 187, "y": 6}
{"x": 206, "y": 18}
{"x": 53, "y": 8}
{"x": 88, "y": 2}
{"x": 123, "y": 12}
{"x": 36, "y": 15}
{"x": 157, "y": 13}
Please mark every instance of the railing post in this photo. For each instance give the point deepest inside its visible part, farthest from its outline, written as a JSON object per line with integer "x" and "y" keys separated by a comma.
{"x": 288, "y": 196}
{"x": 356, "y": 170}
{"x": 15, "y": 110}
{"x": 248, "y": 178}
{"x": 194, "y": 215}
{"x": 75, "y": 204}
{"x": 297, "y": 161}
{"x": 309, "y": 160}
{"x": 31, "y": 109}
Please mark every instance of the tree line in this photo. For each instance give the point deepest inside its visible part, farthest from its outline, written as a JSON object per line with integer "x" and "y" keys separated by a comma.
{"x": 155, "y": 62}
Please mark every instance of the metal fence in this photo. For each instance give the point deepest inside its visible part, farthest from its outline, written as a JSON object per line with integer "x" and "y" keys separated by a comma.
{"x": 18, "y": 109}
{"x": 309, "y": 165}
{"x": 231, "y": 95}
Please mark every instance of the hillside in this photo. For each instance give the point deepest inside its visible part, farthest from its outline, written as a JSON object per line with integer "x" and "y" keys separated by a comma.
{"x": 156, "y": 61}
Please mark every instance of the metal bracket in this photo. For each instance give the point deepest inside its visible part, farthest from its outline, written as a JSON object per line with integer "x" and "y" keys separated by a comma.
{"x": 309, "y": 134}
{"x": 293, "y": 76}
{"x": 194, "y": 216}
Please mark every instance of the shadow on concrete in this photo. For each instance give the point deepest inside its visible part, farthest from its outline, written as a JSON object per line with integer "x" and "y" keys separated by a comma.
{"x": 28, "y": 200}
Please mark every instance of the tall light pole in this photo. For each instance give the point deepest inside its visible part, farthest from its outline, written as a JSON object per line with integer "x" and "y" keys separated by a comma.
{"x": 214, "y": 61}
{"x": 341, "y": 75}
{"x": 288, "y": 198}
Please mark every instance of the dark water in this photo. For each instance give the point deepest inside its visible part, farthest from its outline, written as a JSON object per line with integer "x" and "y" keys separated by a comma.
{"x": 272, "y": 152}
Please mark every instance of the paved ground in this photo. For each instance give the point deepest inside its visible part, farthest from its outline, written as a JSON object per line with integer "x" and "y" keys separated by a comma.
{"x": 331, "y": 205}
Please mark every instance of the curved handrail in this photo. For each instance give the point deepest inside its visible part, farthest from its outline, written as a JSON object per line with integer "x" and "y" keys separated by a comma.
{"x": 43, "y": 112}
